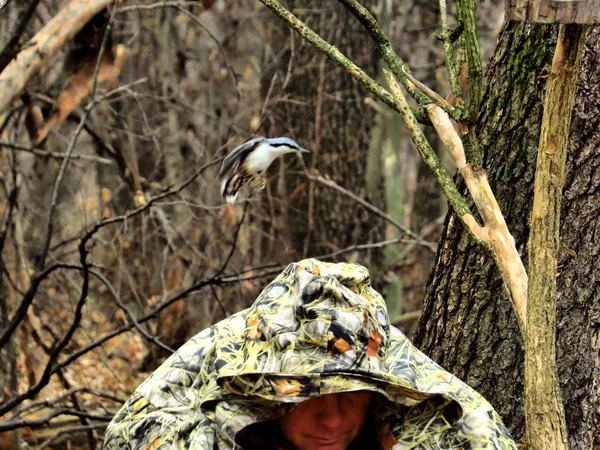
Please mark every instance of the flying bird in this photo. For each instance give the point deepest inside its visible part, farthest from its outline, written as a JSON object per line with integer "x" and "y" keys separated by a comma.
{"x": 250, "y": 161}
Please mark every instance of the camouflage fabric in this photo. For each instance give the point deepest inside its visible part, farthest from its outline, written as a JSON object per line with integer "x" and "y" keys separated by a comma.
{"x": 318, "y": 328}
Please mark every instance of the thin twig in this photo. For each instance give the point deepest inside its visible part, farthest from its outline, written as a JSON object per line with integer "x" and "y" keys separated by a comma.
{"x": 234, "y": 243}
{"x": 152, "y": 339}
{"x": 381, "y": 244}
{"x": 26, "y": 301}
{"x": 399, "y": 68}
{"x": 44, "y": 421}
{"x": 331, "y": 184}
{"x": 315, "y": 156}
{"x": 158, "y": 5}
{"x": 70, "y": 431}
{"x": 63, "y": 168}
{"x": 451, "y": 62}
{"x": 334, "y": 54}
{"x": 77, "y": 405}
{"x": 219, "y": 46}
{"x": 431, "y": 94}
{"x": 102, "y": 49}
{"x": 428, "y": 154}
{"x": 50, "y": 402}
{"x": 218, "y": 300}
{"x": 58, "y": 155}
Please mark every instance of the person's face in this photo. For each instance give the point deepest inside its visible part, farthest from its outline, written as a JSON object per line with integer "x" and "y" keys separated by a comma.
{"x": 328, "y": 422}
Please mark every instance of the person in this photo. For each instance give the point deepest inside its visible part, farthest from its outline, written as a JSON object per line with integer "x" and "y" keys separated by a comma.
{"x": 313, "y": 364}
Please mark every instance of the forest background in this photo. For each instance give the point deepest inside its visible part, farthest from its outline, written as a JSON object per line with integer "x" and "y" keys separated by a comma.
{"x": 175, "y": 86}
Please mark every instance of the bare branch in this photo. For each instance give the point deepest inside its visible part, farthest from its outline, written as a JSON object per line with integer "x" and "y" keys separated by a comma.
{"x": 219, "y": 46}
{"x": 50, "y": 402}
{"x": 70, "y": 431}
{"x": 334, "y": 54}
{"x": 451, "y": 62}
{"x": 399, "y": 68}
{"x": 51, "y": 154}
{"x": 494, "y": 231}
{"x": 152, "y": 339}
{"x": 44, "y": 45}
{"x": 437, "y": 169}
{"x": 331, "y": 184}
{"x": 158, "y": 5}
{"x": 45, "y": 421}
{"x": 11, "y": 49}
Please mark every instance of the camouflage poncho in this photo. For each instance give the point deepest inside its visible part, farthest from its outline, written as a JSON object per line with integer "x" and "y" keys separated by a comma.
{"x": 318, "y": 328}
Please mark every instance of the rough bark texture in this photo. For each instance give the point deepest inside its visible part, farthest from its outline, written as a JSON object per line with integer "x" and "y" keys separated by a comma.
{"x": 323, "y": 109}
{"x": 468, "y": 324}
{"x": 554, "y": 11}
{"x": 544, "y": 416}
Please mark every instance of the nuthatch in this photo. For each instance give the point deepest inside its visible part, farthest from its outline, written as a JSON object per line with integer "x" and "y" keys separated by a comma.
{"x": 250, "y": 161}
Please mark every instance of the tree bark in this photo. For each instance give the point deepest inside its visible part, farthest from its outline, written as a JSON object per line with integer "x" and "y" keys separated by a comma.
{"x": 544, "y": 414}
{"x": 468, "y": 324}
{"x": 554, "y": 11}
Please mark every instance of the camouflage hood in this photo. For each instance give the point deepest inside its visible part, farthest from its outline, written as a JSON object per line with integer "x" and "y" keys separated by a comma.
{"x": 318, "y": 328}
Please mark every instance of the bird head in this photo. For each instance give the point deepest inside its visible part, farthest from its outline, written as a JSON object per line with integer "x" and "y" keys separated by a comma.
{"x": 285, "y": 145}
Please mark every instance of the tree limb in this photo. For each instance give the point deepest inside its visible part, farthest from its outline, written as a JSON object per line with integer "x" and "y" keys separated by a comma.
{"x": 44, "y": 45}
{"x": 334, "y": 54}
{"x": 544, "y": 415}
{"x": 422, "y": 94}
{"x": 494, "y": 231}
{"x": 12, "y": 47}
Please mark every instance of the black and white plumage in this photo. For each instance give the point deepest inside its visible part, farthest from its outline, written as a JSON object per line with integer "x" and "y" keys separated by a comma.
{"x": 250, "y": 161}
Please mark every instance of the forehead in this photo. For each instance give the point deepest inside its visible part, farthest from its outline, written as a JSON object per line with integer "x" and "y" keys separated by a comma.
{"x": 283, "y": 141}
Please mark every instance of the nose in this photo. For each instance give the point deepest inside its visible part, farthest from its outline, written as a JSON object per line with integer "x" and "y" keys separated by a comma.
{"x": 329, "y": 413}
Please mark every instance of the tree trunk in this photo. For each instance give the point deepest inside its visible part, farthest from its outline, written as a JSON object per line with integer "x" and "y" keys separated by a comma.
{"x": 554, "y": 11}
{"x": 322, "y": 107}
{"x": 468, "y": 324}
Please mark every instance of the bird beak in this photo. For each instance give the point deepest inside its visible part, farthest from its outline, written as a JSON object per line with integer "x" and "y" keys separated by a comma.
{"x": 303, "y": 150}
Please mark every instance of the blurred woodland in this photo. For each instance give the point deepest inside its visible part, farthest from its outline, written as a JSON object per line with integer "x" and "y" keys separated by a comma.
{"x": 116, "y": 246}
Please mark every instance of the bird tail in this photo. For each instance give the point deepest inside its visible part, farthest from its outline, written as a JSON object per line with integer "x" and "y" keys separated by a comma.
{"x": 228, "y": 191}
{"x": 230, "y": 198}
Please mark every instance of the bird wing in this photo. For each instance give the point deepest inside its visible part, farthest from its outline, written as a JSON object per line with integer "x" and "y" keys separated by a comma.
{"x": 238, "y": 154}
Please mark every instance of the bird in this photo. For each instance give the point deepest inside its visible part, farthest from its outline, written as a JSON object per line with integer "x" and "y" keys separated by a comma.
{"x": 249, "y": 162}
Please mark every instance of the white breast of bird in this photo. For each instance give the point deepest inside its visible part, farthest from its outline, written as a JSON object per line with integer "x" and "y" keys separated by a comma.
{"x": 261, "y": 158}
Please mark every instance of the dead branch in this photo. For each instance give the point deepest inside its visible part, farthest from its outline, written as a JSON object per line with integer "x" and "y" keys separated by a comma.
{"x": 70, "y": 431}
{"x": 51, "y": 154}
{"x": 494, "y": 230}
{"x": 544, "y": 413}
{"x": 12, "y": 48}
{"x": 332, "y": 185}
{"x": 45, "y": 421}
{"x": 158, "y": 5}
{"x": 44, "y": 45}
{"x": 215, "y": 280}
